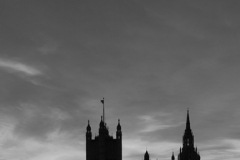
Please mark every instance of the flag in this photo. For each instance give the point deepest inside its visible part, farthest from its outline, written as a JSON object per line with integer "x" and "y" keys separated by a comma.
{"x": 102, "y": 101}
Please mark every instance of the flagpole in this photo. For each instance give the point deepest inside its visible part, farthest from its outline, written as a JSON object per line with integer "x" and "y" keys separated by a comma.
{"x": 103, "y": 117}
{"x": 103, "y": 112}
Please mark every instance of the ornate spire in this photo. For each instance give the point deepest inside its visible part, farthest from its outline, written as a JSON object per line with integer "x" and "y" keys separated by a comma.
{"x": 119, "y": 126}
{"x": 188, "y": 139}
{"x": 188, "y": 131}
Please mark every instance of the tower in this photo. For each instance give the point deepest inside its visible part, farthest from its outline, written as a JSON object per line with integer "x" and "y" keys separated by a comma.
{"x": 119, "y": 140}
{"x": 187, "y": 152}
{"x": 104, "y": 146}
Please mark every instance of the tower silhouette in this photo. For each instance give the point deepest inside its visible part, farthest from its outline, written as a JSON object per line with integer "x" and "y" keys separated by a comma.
{"x": 104, "y": 146}
{"x": 188, "y": 152}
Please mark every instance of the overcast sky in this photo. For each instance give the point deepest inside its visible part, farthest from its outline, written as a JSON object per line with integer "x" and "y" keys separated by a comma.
{"x": 151, "y": 60}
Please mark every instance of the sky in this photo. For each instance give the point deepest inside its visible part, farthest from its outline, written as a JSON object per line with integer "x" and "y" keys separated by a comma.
{"x": 150, "y": 60}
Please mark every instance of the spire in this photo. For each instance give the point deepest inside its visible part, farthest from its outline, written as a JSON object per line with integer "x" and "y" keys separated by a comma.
{"x": 188, "y": 138}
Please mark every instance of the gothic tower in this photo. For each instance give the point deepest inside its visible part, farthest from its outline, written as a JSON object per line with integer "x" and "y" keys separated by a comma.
{"x": 188, "y": 152}
{"x": 104, "y": 146}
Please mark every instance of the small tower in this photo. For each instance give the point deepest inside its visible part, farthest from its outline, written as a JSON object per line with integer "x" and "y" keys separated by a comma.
{"x": 88, "y": 141}
{"x": 146, "y": 156}
{"x": 119, "y": 130}
{"x": 119, "y": 140}
{"x": 88, "y": 132}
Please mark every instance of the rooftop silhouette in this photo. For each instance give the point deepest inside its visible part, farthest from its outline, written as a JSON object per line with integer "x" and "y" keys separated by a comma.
{"x": 105, "y": 147}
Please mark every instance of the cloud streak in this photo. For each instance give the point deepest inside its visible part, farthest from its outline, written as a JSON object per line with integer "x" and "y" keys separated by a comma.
{"x": 14, "y": 66}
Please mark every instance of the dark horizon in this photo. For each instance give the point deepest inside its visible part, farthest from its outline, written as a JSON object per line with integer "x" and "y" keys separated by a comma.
{"x": 151, "y": 60}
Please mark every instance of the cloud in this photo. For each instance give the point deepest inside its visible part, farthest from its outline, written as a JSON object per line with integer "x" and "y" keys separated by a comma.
{"x": 14, "y": 66}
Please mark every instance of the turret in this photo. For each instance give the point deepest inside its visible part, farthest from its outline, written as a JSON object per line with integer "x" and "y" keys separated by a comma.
{"x": 88, "y": 140}
{"x": 119, "y": 140}
{"x": 103, "y": 130}
{"x": 88, "y": 133}
{"x": 119, "y": 131}
{"x": 101, "y": 124}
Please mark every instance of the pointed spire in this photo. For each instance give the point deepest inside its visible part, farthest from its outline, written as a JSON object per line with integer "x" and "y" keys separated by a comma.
{"x": 188, "y": 121}
{"x": 188, "y": 138}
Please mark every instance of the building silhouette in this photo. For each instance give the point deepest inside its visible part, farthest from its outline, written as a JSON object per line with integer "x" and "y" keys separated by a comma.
{"x": 187, "y": 152}
{"x": 104, "y": 146}
{"x": 146, "y": 156}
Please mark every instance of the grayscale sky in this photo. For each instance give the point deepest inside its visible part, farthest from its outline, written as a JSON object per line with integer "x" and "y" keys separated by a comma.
{"x": 151, "y": 60}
